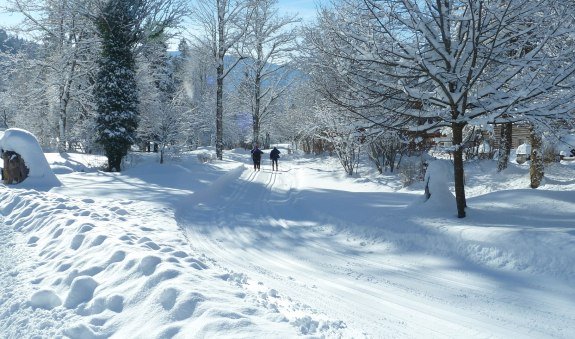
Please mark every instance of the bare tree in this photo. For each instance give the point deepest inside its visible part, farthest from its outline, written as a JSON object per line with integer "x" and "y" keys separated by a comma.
{"x": 270, "y": 40}
{"x": 162, "y": 109}
{"x": 340, "y": 130}
{"x": 65, "y": 58}
{"x": 222, "y": 25}
{"x": 448, "y": 63}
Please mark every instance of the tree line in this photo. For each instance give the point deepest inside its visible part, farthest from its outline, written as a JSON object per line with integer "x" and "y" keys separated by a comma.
{"x": 377, "y": 74}
{"x": 100, "y": 77}
{"x": 413, "y": 66}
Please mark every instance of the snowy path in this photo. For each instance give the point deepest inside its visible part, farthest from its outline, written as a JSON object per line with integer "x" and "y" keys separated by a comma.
{"x": 218, "y": 250}
{"x": 340, "y": 285}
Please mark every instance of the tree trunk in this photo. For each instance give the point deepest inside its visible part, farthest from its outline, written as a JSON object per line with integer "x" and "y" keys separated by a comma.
{"x": 458, "y": 172}
{"x": 505, "y": 146}
{"x": 65, "y": 94}
{"x": 536, "y": 168}
{"x": 220, "y": 84}
{"x": 257, "y": 104}
{"x": 114, "y": 160}
{"x": 62, "y": 138}
{"x": 256, "y": 129}
{"x": 220, "y": 113}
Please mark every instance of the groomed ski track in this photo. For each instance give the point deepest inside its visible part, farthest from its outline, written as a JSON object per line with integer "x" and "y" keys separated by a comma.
{"x": 318, "y": 268}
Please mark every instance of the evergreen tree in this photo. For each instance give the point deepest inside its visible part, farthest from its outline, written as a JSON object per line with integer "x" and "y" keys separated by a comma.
{"x": 124, "y": 25}
{"x": 116, "y": 97}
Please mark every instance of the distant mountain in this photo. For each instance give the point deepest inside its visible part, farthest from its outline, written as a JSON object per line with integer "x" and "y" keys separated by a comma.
{"x": 13, "y": 44}
{"x": 237, "y": 74}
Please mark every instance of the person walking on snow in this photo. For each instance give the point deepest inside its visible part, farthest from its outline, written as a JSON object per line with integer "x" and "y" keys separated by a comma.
{"x": 275, "y": 155}
{"x": 257, "y": 157}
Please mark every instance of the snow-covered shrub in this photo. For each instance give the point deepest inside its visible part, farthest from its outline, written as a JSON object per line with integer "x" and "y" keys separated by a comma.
{"x": 523, "y": 153}
{"x": 412, "y": 170}
{"x": 99, "y": 163}
{"x": 550, "y": 152}
{"x": 384, "y": 149}
{"x": 485, "y": 150}
{"x": 347, "y": 149}
{"x": 205, "y": 157}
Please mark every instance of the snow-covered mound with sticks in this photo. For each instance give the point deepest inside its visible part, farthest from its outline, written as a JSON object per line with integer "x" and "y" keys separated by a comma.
{"x": 26, "y": 144}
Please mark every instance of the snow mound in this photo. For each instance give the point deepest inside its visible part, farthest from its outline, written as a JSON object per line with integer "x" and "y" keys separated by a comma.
{"x": 82, "y": 290}
{"x": 566, "y": 144}
{"x": 438, "y": 181}
{"x": 26, "y": 144}
{"x": 46, "y": 299}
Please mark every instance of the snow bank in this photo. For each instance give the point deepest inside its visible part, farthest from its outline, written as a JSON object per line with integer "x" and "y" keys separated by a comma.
{"x": 438, "y": 181}
{"x": 26, "y": 144}
{"x": 99, "y": 270}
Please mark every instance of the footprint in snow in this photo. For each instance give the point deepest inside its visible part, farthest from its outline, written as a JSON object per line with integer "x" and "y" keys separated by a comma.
{"x": 168, "y": 298}
{"x": 77, "y": 241}
{"x": 98, "y": 241}
{"x": 58, "y": 233}
{"x": 148, "y": 264}
{"x": 81, "y": 290}
{"x": 86, "y": 228}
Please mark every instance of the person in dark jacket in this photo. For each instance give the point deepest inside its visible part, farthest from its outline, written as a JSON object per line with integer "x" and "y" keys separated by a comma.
{"x": 257, "y": 157}
{"x": 275, "y": 155}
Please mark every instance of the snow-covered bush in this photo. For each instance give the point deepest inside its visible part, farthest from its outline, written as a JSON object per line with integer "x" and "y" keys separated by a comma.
{"x": 485, "y": 151}
{"x": 206, "y": 156}
{"x": 412, "y": 170}
{"x": 550, "y": 153}
{"x": 384, "y": 149}
{"x": 523, "y": 153}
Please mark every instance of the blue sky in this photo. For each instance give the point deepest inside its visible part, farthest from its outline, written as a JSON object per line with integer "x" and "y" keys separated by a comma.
{"x": 306, "y": 9}
{"x": 6, "y": 19}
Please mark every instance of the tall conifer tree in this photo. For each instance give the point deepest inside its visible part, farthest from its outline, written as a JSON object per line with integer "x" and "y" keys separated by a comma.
{"x": 115, "y": 91}
{"x": 123, "y": 26}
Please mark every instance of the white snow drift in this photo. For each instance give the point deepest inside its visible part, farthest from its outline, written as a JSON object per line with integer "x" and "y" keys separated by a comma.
{"x": 194, "y": 249}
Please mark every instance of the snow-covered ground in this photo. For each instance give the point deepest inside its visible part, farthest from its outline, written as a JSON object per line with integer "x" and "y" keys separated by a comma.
{"x": 209, "y": 250}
